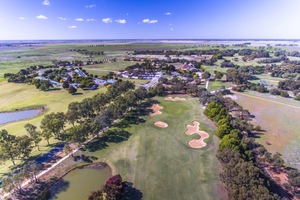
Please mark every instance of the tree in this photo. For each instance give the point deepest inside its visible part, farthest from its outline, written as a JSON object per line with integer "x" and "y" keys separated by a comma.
{"x": 72, "y": 90}
{"x": 45, "y": 85}
{"x": 68, "y": 149}
{"x": 31, "y": 170}
{"x": 66, "y": 85}
{"x": 34, "y": 134}
{"x": 53, "y": 123}
{"x": 79, "y": 133}
{"x": 104, "y": 119}
{"x": 8, "y": 146}
{"x": 112, "y": 190}
{"x": 24, "y": 145}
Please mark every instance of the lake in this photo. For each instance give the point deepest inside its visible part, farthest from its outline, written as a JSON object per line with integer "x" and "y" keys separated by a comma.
{"x": 79, "y": 183}
{"x": 16, "y": 116}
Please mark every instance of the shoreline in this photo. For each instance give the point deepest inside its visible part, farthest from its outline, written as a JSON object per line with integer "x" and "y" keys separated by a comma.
{"x": 97, "y": 165}
{"x": 40, "y": 109}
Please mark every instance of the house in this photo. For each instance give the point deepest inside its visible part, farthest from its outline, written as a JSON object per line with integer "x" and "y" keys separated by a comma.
{"x": 186, "y": 67}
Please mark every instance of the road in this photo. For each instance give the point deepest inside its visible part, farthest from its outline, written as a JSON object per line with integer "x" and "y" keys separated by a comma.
{"x": 153, "y": 81}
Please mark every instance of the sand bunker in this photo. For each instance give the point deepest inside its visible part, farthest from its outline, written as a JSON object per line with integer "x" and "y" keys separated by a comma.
{"x": 156, "y": 109}
{"x": 174, "y": 99}
{"x": 161, "y": 124}
{"x": 191, "y": 129}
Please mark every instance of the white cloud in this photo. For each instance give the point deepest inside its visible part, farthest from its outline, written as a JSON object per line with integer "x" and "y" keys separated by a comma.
{"x": 171, "y": 29}
{"x": 107, "y": 20}
{"x": 41, "y": 17}
{"x": 90, "y": 6}
{"x": 90, "y": 20}
{"x": 121, "y": 21}
{"x": 153, "y": 21}
{"x": 46, "y": 3}
{"x": 72, "y": 27}
{"x": 62, "y": 18}
{"x": 79, "y": 19}
{"x": 168, "y": 13}
{"x": 22, "y": 18}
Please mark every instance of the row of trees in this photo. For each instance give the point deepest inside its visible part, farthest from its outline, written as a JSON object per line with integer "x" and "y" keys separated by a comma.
{"x": 241, "y": 177}
{"x": 243, "y": 160}
{"x": 86, "y": 117}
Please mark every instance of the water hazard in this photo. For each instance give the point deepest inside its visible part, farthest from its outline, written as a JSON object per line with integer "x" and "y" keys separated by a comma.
{"x": 16, "y": 116}
{"x": 79, "y": 183}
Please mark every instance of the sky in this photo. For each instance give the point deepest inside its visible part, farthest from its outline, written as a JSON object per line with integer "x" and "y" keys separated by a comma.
{"x": 149, "y": 19}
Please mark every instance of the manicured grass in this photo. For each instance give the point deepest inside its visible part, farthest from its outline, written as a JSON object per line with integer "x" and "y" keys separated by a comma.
{"x": 268, "y": 79}
{"x": 104, "y": 68}
{"x": 16, "y": 96}
{"x": 159, "y": 161}
{"x": 279, "y": 117}
{"x": 216, "y": 85}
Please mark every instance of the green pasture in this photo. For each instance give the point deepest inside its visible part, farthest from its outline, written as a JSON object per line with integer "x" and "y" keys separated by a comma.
{"x": 216, "y": 85}
{"x": 159, "y": 161}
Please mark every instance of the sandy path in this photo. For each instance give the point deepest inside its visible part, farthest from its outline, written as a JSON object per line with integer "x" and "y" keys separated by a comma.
{"x": 156, "y": 108}
{"x": 161, "y": 124}
{"x": 174, "y": 99}
{"x": 191, "y": 129}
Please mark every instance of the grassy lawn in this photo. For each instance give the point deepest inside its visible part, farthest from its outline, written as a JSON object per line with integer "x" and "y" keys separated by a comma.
{"x": 216, "y": 85}
{"x": 269, "y": 79}
{"x": 159, "y": 161}
{"x": 279, "y": 117}
{"x": 15, "y": 96}
{"x": 112, "y": 66}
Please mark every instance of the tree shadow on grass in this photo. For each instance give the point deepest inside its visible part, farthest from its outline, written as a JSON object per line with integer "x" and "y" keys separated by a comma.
{"x": 77, "y": 93}
{"x": 131, "y": 192}
{"x": 110, "y": 136}
{"x": 134, "y": 116}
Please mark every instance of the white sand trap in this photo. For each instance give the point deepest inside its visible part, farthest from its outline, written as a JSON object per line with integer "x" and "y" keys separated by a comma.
{"x": 161, "y": 124}
{"x": 192, "y": 129}
{"x": 156, "y": 110}
{"x": 175, "y": 99}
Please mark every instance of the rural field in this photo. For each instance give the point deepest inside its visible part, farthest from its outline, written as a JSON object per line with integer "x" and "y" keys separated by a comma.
{"x": 159, "y": 162}
{"x": 279, "y": 118}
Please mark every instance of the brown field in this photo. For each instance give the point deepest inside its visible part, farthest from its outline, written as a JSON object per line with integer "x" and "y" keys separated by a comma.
{"x": 279, "y": 118}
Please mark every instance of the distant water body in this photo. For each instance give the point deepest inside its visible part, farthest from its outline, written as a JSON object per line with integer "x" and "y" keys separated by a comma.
{"x": 135, "y": 41}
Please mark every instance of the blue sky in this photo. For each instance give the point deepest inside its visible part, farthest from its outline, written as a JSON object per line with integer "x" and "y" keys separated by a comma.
{"x": 149, "y": 19}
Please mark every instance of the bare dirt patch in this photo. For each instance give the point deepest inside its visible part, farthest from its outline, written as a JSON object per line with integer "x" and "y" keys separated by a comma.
{"x": 191, "y": 129}
{"x": 161, "y": 124}
{"x": 175, "y": 99}
{"x": 156, "y": 110}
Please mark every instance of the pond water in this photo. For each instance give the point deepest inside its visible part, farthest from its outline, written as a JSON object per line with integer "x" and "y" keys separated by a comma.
{"x": 79, "y": 183}
{"x": 16, "y": 116}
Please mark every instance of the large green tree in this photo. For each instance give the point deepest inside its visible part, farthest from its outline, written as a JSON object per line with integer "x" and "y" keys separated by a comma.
{"x": 53, "y": 123}
{"x": 8, "y": 146}
{"x": 35, "y": 135}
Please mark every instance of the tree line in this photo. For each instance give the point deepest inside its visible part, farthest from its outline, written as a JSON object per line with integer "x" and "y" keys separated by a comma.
{"x": 243, "y": 160}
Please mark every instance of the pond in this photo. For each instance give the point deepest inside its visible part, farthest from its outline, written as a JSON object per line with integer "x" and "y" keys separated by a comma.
{"x": 16, "y": 116}
{"x": 79, "y": 183}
